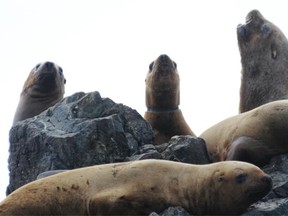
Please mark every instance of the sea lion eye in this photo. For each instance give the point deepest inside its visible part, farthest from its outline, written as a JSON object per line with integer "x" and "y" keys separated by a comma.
{"x": 37, "y": 66}
{"x": 151, "y": 66}
{"x": 241, "y": 178}
{"x": 61, "y": 71}
{"x": 175, "y": 65}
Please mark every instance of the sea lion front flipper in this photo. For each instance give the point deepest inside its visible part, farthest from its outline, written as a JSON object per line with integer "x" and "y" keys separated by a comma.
{"x": 249, "y": 150}
{"x": 106, "y": 204}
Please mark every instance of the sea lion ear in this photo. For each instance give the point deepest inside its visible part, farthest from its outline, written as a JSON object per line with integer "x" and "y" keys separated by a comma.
{"x": 175, "y": 65}
{"x": 273, "y": 52}
{"x": 151, "y": 66}
{"x": 34, "y": 70}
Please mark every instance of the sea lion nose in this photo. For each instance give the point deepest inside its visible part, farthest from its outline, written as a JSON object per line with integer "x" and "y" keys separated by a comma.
{"x": 164, "y": 57}
{"x": 267, "y": 179}
{"x": 49, "y": 65}
{"x": 254, "y": 17}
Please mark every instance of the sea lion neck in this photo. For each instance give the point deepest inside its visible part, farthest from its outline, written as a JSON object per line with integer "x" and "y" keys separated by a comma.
{"x": 159, "y": 109}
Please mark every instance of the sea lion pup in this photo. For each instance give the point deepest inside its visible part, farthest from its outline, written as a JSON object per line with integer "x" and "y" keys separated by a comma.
{"x": 163, "y": 99}
{"x": 254, "y": 136}
{"x": 140, "y": 187}
{"x": 43, "y": 88}
{"x": 264, "y": 53}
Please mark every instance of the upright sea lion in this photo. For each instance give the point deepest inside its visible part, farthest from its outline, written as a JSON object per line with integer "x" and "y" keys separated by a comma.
{"x": 163, "y": 99}
{"x": 43, "y": 88}
{"x": 140, "y": 187}
{"x": 264, "y": 53}
{"x": 254, "y": 136}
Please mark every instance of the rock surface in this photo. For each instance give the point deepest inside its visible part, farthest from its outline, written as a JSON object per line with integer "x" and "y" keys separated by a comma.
{"x": 82, "y": 130}
{"x": 172, "y": 211}
{"x": 85, "y": 129}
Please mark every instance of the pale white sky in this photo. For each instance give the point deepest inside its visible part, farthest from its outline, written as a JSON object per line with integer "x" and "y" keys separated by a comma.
{"x": 107, "y": 46}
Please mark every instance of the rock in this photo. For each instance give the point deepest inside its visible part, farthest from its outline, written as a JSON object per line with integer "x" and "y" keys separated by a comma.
{"x": 186, "y": 149}
{"x": 82, "y": 130}
{"x": 172, "y": 211}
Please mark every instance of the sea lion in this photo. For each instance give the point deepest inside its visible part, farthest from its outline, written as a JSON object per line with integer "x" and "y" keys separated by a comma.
{"x": 264, "y": 53}
{"x": 43, "y": 88}
{"x": 163, "y": 99}
{"x": 253, "y": 136}
{"x": 140, "y": 187}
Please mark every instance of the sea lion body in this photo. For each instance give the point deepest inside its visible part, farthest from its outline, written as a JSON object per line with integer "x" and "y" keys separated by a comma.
{"x": 163, "y": 99}
{"x": 264, "y": 52}
{"x": 254, "y": 136}
{"x": 140, "y": 187}
{"x": 43, "y": 88}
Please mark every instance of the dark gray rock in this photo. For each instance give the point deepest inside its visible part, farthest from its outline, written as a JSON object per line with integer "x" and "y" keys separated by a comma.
{"x": 172, "y": 211}
{"x": 186, "y": 149}
{"x": 82, "y": 130}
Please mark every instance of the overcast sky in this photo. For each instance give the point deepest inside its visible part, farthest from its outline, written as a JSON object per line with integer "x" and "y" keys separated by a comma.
{"x": 107, "y": 46}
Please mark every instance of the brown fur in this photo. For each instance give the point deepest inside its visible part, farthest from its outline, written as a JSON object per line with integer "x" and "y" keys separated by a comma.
{"x": 140, "y": 187}
{"x": 163, "y": 99}
{"x": 254, "y": 136}
{"x": 264, "y": 53}
{"x": 43, "y": 88}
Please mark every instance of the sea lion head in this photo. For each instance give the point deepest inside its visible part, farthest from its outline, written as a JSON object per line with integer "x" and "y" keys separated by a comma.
{"x": 238, "y": 185}
{"x": 260, "y": 36}
{"x": 45, "y": 78}
{"x": 162, "y": 85}
{"x": 43, "y": 88}
{"x": 257, "y": 34}
{"x": 263, "y": 50}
